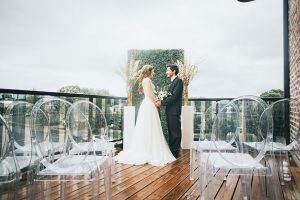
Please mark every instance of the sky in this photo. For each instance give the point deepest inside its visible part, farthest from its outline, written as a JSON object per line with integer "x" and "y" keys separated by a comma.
{"x": 45, "y": 45}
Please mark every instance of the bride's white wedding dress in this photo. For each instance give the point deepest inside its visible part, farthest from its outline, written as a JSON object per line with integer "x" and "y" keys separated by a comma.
{"x": 148, "y": 144}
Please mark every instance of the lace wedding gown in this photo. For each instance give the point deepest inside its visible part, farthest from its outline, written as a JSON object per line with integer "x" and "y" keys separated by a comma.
{"x": 148, "y": 144}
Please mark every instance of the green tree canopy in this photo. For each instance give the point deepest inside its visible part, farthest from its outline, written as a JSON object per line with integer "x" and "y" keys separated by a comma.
{"x": 75, "y": 89}
{"x": 272, "y": 93}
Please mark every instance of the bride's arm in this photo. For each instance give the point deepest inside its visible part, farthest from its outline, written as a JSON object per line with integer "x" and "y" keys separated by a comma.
{"x": 148, "y": 90}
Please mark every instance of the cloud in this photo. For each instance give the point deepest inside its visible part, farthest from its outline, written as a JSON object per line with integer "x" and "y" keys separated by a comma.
{"x": 50, "y": 44}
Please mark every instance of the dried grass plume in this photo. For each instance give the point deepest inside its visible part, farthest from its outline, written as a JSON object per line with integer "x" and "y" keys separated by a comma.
{"x": 187, "y": 72}
{"x": 130, "y": 73}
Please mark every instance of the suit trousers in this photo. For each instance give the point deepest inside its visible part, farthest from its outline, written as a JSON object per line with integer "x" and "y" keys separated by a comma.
{"x": 174, "y": 129}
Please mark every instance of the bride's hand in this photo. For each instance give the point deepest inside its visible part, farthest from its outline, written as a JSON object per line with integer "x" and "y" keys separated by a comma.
{"x": 158, "y": 104}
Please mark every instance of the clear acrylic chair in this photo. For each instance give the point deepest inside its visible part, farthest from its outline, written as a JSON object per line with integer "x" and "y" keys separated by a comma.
{"x": 91, "y": 122}
{"x": 207, "y": 120}
{"x": 54, "y": 120}
{"x": 286, "y": 114}
{"x": 48, "y": 131}
{"x": 242, "y": 161}
{"x": 283, "y": 141}
{"x": 206, "y": 146}
{"x": 9, "y": 170}
{"x": 17, "y": 116}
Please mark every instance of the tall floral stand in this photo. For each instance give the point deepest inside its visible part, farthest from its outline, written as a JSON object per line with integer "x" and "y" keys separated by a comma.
{"x": 129, "y": 122}
{"x": 187, "y": 127}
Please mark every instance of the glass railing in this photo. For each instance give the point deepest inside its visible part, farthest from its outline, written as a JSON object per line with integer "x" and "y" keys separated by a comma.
{"x": 201, "y": 105}
{"x": 111, "y": 106}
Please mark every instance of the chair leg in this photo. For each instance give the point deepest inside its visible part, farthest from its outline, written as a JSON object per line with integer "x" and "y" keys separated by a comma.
{"x": 192, "y": 164}
{"x": 107, "y": 182}
{"x": 112, "y": 168}
{"x": 62, "y": 189}
{"x": 246, "y": 186}
{"x": 45, "y": 189}
{"x": 204, "y": 178}
{"x": 283, "y": 166}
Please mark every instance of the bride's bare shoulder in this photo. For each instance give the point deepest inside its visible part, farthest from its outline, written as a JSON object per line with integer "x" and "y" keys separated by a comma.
{"x": 147, "y": 80}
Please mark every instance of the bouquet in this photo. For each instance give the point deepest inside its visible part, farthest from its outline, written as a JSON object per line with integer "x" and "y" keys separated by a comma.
{"x": 161, "y": 93}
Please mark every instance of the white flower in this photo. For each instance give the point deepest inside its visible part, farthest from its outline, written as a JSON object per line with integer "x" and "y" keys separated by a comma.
{"x": 161, "y": 93}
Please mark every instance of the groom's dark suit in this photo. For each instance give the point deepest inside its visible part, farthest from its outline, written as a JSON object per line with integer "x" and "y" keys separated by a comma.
{"x": 173, "y": 104}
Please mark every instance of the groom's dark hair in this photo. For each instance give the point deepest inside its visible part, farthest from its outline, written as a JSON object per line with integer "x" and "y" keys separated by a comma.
{"x": 173, "y": 67}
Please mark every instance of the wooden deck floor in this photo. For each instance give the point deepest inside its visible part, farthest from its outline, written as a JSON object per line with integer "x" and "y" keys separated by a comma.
{"x": 167, "y": 182}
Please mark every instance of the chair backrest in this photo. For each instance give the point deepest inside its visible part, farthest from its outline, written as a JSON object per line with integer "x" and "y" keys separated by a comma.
{"x": 48, "y": 127}
{"x": 9, "y": 170}
{"x": 5, "y": 139}
{"x": 237, "y": 123}
{"x": 86, "y": 124}
{"x": 208, "y": 117}
{"x": 286, "y": 117}
{"x": 17, "y": 116}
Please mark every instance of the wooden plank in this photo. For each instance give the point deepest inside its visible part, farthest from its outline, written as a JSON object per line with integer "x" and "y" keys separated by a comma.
{"x": 296, "y": 174}
{"x": 258, "y": 189}
{"x": 121, "y": 181}
{"x": 193, "y": 192}
{"x": 83, "y": 188}
{"x": 181, "y": 188}
{"x": 167, "y": 187}
{"x": 274, "y": 188}
{"x": 145, "y": 187}
{"x": 167, "y": 182}
{"x": 290, "y": 190}
{"x": 238, "y": 191}
{"x": 228, "y": 188}
{"x": 215, "y": 184}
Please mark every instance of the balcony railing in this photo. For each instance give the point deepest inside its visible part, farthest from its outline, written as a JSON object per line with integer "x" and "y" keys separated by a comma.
{"x": 202, "y": 104}
{"x": 111, "y": 106}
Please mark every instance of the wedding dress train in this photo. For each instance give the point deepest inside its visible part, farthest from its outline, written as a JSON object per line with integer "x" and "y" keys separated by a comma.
{"x": 148, "y": 144}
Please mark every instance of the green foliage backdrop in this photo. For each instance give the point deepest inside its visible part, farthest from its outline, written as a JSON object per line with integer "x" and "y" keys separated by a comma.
{"x": 159, "y": 59}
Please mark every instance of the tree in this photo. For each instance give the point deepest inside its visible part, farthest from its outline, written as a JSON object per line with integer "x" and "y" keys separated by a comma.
{"x": 70, "y": 89}
{"x": 77, "y": 90}
{"x": 94, "y": 91}
{"x": 272, "y": 93}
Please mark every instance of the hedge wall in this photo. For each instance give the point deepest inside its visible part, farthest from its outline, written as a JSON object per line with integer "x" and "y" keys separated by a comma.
{"x": 159, "y": 59}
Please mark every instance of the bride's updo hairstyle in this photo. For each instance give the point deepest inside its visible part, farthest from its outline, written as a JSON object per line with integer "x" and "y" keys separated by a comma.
{"x": 144, "y": 73}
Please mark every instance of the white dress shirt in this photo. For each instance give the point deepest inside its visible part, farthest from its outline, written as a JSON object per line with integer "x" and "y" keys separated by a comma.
{"x": 172, "y": 78}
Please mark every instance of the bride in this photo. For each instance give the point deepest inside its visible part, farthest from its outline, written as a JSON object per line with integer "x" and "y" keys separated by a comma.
{"x": 148, "y": 144}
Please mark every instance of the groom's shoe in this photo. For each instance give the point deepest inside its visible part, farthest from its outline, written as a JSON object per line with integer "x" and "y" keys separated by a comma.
{"x": 175, "y": 154}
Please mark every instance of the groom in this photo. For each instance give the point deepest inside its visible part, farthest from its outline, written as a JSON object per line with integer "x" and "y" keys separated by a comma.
{"x": 173, "y": 104}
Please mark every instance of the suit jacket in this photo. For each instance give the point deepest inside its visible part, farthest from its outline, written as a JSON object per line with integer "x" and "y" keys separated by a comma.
{"x": 173, "y": 102}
